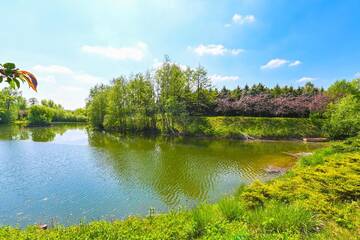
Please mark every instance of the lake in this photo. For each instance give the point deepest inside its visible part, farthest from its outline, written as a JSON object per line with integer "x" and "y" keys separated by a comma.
{"x": 67, "y": 174}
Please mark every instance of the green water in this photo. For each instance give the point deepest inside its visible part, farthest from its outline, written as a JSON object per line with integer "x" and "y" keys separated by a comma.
{"x": 67, "y": 174}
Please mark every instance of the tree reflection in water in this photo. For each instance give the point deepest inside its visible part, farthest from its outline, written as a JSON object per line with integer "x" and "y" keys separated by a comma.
{"x": 172, "y": 169}
{"x": 36, "y": 134}
{"x": 188, "y": 168}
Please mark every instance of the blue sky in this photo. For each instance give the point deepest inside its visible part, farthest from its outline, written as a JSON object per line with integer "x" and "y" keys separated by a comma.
{"x": 72, "y": 45}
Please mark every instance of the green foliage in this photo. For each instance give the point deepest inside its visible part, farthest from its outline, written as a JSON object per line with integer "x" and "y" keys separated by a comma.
{"x": 14, "y": 107}
{"x": 276, "y": 217}
{"x": 316, "y": 158}
{"x": 344, "y": 117}
{"x": 231, "y": 209}
{"x": 326, "y": 187}
{"x": 170, "y": 226}
{"x": 343, "y": 88}
{"x": 202, "y": 217}
{"x": 8, "y": 73}
{"x": 13, "y": 76}
{"x": 258, "y": 127}
{"x": 62, "y": 115}
{"x": 130, "y": 105}
{"x": 96, "y": 106}
{"x": 10, "y": 104}
{"x": 40, "y": 115}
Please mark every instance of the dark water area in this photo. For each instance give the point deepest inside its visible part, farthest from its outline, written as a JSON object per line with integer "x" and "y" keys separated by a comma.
{"x": 68, "y": 174}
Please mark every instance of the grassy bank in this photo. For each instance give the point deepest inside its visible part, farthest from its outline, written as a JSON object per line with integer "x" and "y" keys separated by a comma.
{"x": 317, "y": 199}
{"x": 231, "y": 127}
{"x": 256, "y": 127}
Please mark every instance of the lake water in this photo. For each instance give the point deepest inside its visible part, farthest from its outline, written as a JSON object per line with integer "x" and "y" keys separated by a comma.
{"x": 67, "y": 174}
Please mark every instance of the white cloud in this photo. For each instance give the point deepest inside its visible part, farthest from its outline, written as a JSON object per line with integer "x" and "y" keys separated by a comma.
{"x": 135, "y": 53}
{"x": 220, "y": 78}
{"x": 47, "y": 79}
{"x": 357, "y": 75}
{"x": 240, "y": 19}
{"x": 274, "y": 63}
{"x": 87, "y": 78}
{"x": 215, "y": 50}
{"x": 227, "y": 25}
{"x": 62, "y": 84}
{"x": 52, "y": 69}
{"x": 295, "y": 63}
{"x": 49, "y": 74}
{"x": 306, "y": 79}
{"x": 236, "y": 51}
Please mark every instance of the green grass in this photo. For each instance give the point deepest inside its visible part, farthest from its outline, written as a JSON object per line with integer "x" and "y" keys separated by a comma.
{"x": 317, "y": 199}
{"x": 256, "y": 127}
{"x": 231, "y": 209}
{"x": 202, "y": 217}
{"x": 277, "y": 217}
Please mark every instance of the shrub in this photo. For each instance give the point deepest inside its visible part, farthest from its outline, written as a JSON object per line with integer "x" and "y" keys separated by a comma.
{"x": 316, "y": 158}
{"x": 8, "y": 116}
{"x": 344, "y": 118}
{"x": 255, "y": 195}
{"x": 40, "y": 115}
{"x": 265, "y": 105}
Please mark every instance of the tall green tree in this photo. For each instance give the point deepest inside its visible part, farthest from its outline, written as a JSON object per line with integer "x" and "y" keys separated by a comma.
{"x": 96, "y": 105}
{"x": 202, "y": 85}
{"x": 343, "y": 114}
{"x": 141, "y": 102}
{"x": 171, "y": 96}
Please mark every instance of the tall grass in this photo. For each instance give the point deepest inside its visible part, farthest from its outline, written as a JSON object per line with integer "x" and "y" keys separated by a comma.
{"x": 231, "y": 209}
{"x": 276, "y": 217}
{"x": 202, "y": 217}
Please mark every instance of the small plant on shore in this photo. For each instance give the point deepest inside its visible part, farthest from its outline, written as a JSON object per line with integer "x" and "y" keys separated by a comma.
{"x": 316, "y": 158}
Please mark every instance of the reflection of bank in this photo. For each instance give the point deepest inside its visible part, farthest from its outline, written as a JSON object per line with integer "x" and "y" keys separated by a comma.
{"x": 155, "y": 164}
{"x": 36, "y": 134}
{"x": 189, "y": 169}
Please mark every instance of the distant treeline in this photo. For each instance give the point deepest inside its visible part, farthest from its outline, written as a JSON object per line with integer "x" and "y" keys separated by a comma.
{"x": 172, "y": 96}
{"x": 14, "y": 107}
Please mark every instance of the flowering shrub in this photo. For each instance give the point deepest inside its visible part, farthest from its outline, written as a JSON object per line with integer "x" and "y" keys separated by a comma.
{"x": 264, "y": 105}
